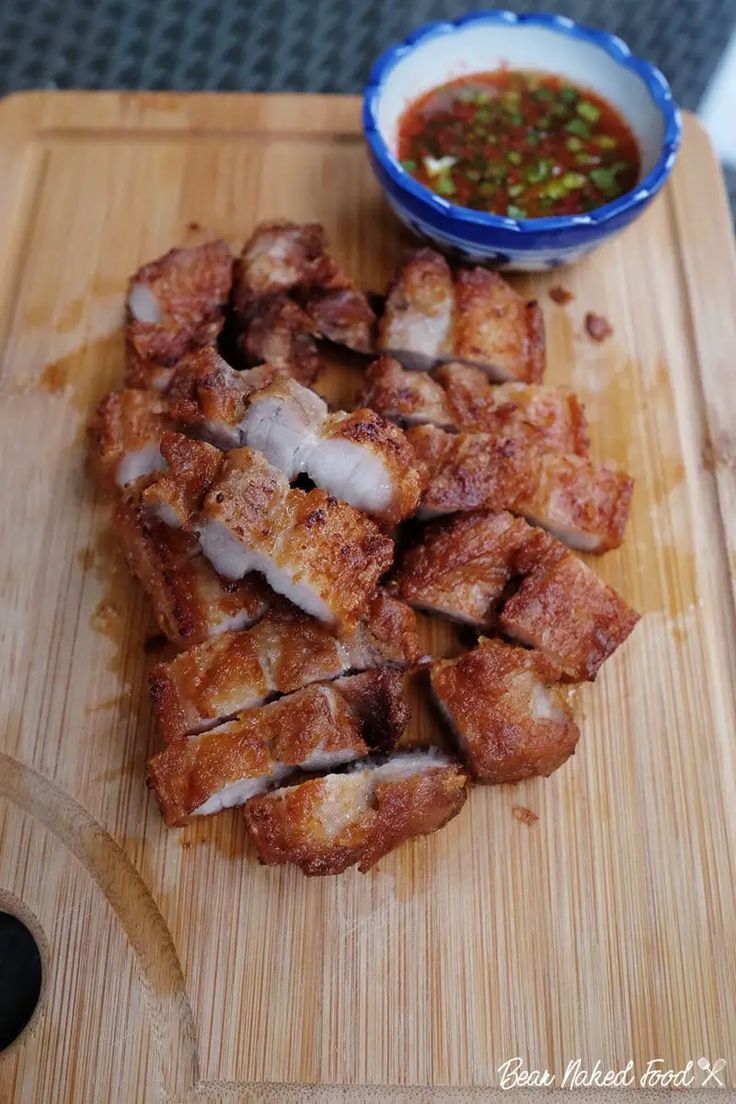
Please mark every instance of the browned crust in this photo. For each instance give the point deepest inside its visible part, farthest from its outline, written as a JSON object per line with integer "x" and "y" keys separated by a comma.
{"x": 206, "y": 389}
{"x": 405, "y": 397}
{"x": 565, "y": 610}
{"x": 192, "y": 287}
{"x": 300, "y": 260}
{"x": 496, "y": 328}
{"x": 421, "y": 293}
{"x": 377, "y": 700}
{"x": 342, "y": 314}
{"x": 123, "y": 422}
{"x": 286, "y": 826}
{"x": 192, "y": 468}
{"x": 489, "y": 695}
{"x": 276, "y": 331}
{"x": 390, "y": 632}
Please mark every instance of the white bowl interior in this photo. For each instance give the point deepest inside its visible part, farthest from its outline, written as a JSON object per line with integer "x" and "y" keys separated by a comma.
{"x": 482, "y": 47}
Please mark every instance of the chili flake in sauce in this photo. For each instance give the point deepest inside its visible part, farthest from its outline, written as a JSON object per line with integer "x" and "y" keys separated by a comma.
{"x": 518, "y": 143}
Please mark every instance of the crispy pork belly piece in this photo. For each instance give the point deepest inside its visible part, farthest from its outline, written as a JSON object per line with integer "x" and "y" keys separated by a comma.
{"x": 210, "y": 398}
{"x": 320, "y": 553}
{"x": 564, "y": 609}
{"x": 341, "y": 313}
{"x": 549, "y": 416}
{"x": 510, "y": 716}
{"x": 176, "y": 496}
{"x": 461, "y": 567}
{"x": 467, "y": 471}
{"x": 586, "y": 505}
{"x": 361, "y": 457}
{"x": 496, "y": 329}
{"x": 325, "y": 825}
{"x": 125, "y": 437}
{"x": 314, "y": 729}
{"x": 417, "y": 322}
{"x": 280, "y": 256}
{"x": 278, "y": 332}
{"x": 190, "y": 601}
{"x": 410, "y": 398}
{"x": 175, "y": 304}
{"x": 285, "y": 651}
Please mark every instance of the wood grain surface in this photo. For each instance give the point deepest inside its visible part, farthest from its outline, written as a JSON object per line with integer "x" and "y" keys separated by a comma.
{"x": 175, "y": 967}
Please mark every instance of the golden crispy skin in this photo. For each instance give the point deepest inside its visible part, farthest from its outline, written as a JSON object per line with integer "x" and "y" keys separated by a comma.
{"x": 305, "y": 541}
{"x": 326, "y": 825}
{"x": 461, "y": 566}
{"x": 190, "y": 601}
{"x": 410, "y": 398}
{"x": 496, "y": 329}
{"x": 549, "y": 416}
{"x": 280, "y": 256}
{"x": 285, "y": 651}
{"x": 276, "y": 331}
{"x": 341, "y": 313}
{"x": 417, "y": 322}
{"x": 584, "y": 504}
{"x": 510, "y": 716}
{"x": 175, "y": 304}
{"x": 124, "y": 437}
{"x": 468, "y": 471}
{"x": 176, "y": 496}
{"x": 378, "y": 437}
{"x": 564, "y": 609}
{"x": 315, "y": 728}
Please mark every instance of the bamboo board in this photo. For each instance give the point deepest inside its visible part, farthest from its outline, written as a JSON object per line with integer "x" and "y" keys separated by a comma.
{"x": 175, "y": 967}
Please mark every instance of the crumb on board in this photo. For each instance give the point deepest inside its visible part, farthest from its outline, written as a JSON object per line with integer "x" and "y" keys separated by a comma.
{"x": 561, "y": 295}
{"x": 193, "y": 226}
{"x": 524, "y": 815}
{"x": 597, "y": 326}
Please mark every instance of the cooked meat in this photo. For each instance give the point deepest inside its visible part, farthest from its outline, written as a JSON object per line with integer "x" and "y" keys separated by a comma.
{"x": 477, "y": 318}
{"x": 410, "y": 398}
{"x": 325, "y": 825}
{"x": 125, "y": 437}
{"x": 176, "y": 496}
{"x": 466, "y": 471}
{"x": 190, "y": 601}
{"x": 495, "y": 329}
{"x": 210, "y": 398}
{"x": 564, "y": 609}
{"x": 597, "y": 326}
{"x": 586, "y": 505}
{"x": 417, "y": 323}
{"x": 277, "y": 331}
{"x": 285, "y": 651}
{"x": 175, "y": 305}
{"x": 461, "y": 566}
{"x": 359, "y": 457}
{"x": 314, "y": 729}
{"x": 466, "y": 568}
{"x": 508, "y": 711}
{"x": 322, "y": 554}
{"x": 342, "y": 314}
{"x": 549, "y": 416}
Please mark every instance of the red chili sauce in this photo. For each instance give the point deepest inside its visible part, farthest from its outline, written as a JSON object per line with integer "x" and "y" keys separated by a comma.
{"x": 518, "y": 143}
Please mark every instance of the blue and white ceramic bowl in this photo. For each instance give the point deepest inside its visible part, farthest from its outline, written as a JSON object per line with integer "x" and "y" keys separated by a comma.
{"x": 439, "y": 52}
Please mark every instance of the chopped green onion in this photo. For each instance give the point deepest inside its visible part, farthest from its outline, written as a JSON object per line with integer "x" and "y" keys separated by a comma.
{"x": 514, "y": 157}
{"x": 578, "y": 127}
{"x": 542, "y": 94}
{"x": 604, "y": 179}
{"x": 486, "y": 188}
{"x": 573, "y": 180}
{"x": 620, "y": 166}
{"x": 540, "y": 171}
{"x": 556, "y": 189}
{"x": 409, "y": 165}
{"x": 445, "y": 185}
{"x": 483, "y": 115}
{"x": 515, "y": 212}
{"x": 515, "y": 190}
{"x": 532, "y": 136}
{"x": 586, "y": 159}
{"x": 573, "y": 143}
{"x": 588, "y": 111}
{"x": 567, "y": 95}
{"x": 483, "y": 97}
{"x": 605, "y": 141}
{"x": 473, "y": 174}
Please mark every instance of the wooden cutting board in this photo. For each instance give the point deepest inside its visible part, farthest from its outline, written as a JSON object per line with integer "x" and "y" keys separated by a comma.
{"x": 175, "y": 967}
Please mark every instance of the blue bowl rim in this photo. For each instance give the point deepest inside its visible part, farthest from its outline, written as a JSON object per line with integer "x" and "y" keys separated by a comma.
{"x": 614, "y": 46}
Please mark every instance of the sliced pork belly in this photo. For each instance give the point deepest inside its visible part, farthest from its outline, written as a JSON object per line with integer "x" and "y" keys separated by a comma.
{"x": 278, "y": 332}
{"x": 283, "y": 421}
{"x": 510, "y": 715}
{"x": 325, "y": 825}
{"x": 410, "y": 398}
{"x": 314, "y": 729}
{"x": 285, "y": 651}
{"x": 549, "y": 416}
{"x": 175, "y": 305}
{"x": 190, "y": 601}
{"x": 496, "y": 329}
{"x": 125, "y": 436}
{"x": 417, "y": 322}
{"x": 586, "y": 505}
{"x": 564, "y": 609}
{"x": 465, "y": 471}
{"x": 176, "y": 496}
{"x": 320, "y": 553}
{"x": 341, "y": 313}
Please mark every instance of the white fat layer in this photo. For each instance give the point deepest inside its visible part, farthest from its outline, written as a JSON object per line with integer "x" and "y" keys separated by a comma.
{"x": 220, "y": 434}
{"x": 351, "y": 473}
{"x": 230, "y": 623}
{"x": 462, "y": 743}
{"x": 226, "y": 554}
{"x": 320, "y": 760}
{"x": 166, "y": 513}
{"x": 285, "y": 428}
{"x": 144, "y": 305}
{"x": 410, "y": 762}
{"x": 237, "y": 793}
{"x": 544, "y": 708}
{"x": 140, "y": 462}
{"x": 417, "y": 332}
{"x": 573, "y": 538}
